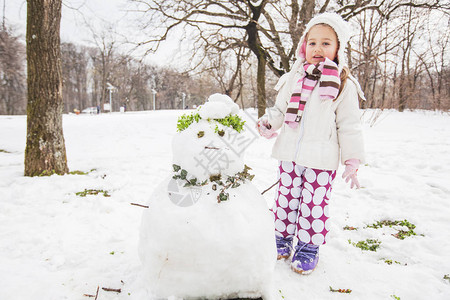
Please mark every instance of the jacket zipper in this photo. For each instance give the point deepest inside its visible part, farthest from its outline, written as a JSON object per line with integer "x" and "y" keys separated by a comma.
{"x": 302, "y": 129}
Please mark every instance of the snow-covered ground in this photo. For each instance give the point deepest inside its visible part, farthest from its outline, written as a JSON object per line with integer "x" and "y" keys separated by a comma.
{"x": 57, "y": 245}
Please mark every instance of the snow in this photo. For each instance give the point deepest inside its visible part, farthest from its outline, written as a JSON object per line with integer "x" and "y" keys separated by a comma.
{"x": 56, "y": 245}
{"x": 218, "y": 106}
{"x": 208, "y": 249}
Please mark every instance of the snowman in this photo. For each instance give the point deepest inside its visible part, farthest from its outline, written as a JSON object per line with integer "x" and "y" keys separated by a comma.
{"x": 208, "y": 233}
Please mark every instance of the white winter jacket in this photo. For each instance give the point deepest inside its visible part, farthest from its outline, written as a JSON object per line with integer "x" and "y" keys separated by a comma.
{"x": 329, "y": 129}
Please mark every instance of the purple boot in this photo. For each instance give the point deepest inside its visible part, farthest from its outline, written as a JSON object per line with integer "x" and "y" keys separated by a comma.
{"x": 305, "y": 258}
{"x": 284, "y": 247}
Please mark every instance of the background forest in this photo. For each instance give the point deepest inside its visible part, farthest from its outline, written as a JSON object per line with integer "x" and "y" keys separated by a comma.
{"x": 398, "y": 52}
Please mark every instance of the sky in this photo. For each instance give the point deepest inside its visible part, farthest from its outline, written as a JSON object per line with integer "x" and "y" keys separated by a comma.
{"x": 99, "y": 14}
{"x": 74, "y": 15}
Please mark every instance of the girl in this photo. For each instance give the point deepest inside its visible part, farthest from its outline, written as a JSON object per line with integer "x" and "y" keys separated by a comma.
{"x": 318, "y": 113}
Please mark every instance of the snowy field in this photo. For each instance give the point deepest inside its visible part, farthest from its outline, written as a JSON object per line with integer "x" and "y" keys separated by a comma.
{"x": 55, "y": 244}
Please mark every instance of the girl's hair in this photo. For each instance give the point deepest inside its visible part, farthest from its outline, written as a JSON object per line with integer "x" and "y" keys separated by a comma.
{"x": 344, "y": 75}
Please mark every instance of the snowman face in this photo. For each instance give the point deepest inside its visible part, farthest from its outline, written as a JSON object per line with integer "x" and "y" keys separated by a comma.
{"x": 204, "y": 150}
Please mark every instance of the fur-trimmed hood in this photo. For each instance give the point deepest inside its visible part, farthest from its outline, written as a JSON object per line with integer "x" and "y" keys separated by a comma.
{"x": 343, "y": 32}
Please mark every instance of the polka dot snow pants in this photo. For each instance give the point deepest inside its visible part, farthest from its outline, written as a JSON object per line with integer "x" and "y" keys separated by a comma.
{"x": 301, "y": 204}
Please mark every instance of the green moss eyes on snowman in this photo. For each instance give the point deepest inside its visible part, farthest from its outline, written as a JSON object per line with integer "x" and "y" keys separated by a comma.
{"x": 201, "y": 134}
{"x": 233, "y": 121}
{"x": 220, "y": 132}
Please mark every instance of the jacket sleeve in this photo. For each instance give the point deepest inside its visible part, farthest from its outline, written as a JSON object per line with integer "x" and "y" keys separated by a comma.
{"x": 275, "y": 114}
{"x": 348, "y": 124}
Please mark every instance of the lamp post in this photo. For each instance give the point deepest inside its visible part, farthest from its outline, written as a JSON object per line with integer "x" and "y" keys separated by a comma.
{"x": 111, "y": 89}
{"x": 154, "y": 98}
{"x": 183, "y": 96}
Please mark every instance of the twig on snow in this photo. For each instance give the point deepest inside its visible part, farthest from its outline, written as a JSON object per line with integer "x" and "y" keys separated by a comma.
{"x": 271, "y": 186}
{"x": 140, "y": 205}
{"x": 112, "y": 290}
{"x": 92, "y": 296}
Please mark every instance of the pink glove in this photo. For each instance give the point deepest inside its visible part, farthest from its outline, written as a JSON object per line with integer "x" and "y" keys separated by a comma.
{"x": 265, "y": 129}
{"x": 351, "y": 168}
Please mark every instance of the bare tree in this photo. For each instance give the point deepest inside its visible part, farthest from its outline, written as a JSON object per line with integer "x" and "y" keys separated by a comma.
{"x": 222, "y": 25}
{"x": 369, "y": 55}
{"x": 106, "y": 46}
{"x": 270, "y": 29}
{"x": 141, "y": 83}
{"x": 75, "y": 76}
{"x": 226, "y": 69}
{"x": 435, "y": 61}
{"x": 12, "y": 73}
{"x": 391, "y": 52}
{"x": 45, "y": 151}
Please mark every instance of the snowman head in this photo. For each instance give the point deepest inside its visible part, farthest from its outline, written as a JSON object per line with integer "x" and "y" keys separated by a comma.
{"x": 207, "y": 143}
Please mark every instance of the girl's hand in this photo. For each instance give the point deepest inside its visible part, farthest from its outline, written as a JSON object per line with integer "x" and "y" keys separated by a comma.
{"x": 350, "y": 172}
{"x": 265, "y": 129}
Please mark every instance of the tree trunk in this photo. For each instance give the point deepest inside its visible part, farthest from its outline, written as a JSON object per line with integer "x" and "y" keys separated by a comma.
{"x": 45, "y": 152}
{"x": 255, "y": 45}
{"x": 261, "y": 85}
{"x": 401, "y": 94}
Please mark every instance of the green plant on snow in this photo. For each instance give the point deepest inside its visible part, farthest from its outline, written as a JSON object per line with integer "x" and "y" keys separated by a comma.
{"x": 53, "y": 172}
{"x": 77, "y": 172}
{"x": 401, "y": 234}
{"x": 395, "y": 297}
{"x": 342, "y": 291}
{"x": 92, "y": 192}
{"x": 4, "y": 151}
{"x": 47, "y": 173}
{"x": 390, "y": 262}
{"x": 350, "y": 228}
{"x": 367, "y": 245}
{"x": 447, "y": 277}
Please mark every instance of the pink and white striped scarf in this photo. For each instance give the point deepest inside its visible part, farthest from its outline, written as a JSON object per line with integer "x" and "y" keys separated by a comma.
{"x": 327, "y": 73}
